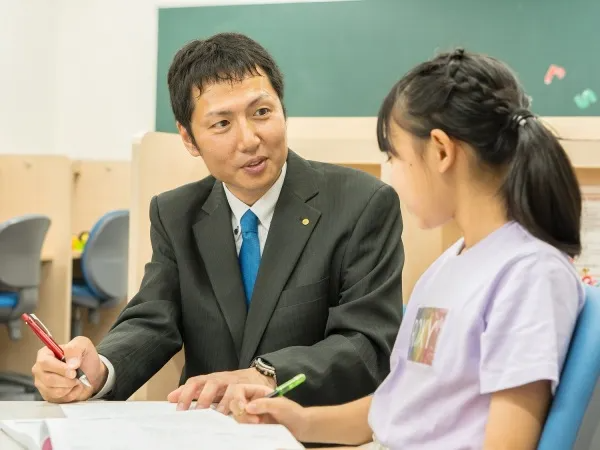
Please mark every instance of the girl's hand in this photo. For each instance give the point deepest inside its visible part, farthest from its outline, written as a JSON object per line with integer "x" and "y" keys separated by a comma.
{"x": 249, "y": 405}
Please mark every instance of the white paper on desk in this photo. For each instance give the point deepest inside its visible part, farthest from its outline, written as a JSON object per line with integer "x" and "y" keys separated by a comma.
{"x": 104, "y": 409}
{"x": 182, "y": 430}
{"x": 28, "y": 433}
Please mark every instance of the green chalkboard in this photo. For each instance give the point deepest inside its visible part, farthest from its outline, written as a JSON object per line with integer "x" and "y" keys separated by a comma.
{"x": 341, "y": 58}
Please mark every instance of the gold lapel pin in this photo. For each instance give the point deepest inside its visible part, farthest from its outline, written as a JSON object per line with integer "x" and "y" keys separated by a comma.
{"x": 305, "y": 221}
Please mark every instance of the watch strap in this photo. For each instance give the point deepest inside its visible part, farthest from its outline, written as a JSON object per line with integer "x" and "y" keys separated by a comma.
{"x": 265, "y": 368}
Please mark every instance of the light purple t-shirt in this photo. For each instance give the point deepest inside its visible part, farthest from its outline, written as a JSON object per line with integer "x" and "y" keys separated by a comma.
{"x": 497, "y": 316}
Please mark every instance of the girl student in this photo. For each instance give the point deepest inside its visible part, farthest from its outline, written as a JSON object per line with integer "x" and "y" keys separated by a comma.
{"x": 484, "y": 337}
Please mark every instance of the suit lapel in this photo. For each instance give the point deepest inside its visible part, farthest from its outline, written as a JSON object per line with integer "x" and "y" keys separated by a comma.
{"x": 291, "y": 227}
{"x": 216, "y": 245}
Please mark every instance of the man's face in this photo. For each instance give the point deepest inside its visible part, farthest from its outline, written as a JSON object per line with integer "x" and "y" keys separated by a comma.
{"x": 240, "y": 132}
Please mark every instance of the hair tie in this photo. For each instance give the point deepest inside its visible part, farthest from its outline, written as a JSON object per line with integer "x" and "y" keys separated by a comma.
{"x": 519, "y": 119}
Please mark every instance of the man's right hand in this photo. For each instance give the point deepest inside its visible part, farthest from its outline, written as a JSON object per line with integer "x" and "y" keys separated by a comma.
{"x": 57, "y": 381}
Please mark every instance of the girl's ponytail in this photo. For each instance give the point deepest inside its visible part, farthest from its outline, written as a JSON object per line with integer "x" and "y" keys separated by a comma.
{"x": 541, "y": 188}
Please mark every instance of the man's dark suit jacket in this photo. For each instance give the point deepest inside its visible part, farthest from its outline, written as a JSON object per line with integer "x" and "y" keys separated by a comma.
{"x": 327, "y": 301}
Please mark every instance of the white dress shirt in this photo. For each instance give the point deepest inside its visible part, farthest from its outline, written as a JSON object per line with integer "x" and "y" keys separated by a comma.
{"x": 263, "y": 208}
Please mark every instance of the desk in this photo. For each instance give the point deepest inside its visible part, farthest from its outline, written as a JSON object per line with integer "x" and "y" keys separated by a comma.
{"x": 29, "y": 410}
{"x": 46, "y": 256}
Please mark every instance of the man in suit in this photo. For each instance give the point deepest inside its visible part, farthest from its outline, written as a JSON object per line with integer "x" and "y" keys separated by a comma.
{"x": 270, "y": 267}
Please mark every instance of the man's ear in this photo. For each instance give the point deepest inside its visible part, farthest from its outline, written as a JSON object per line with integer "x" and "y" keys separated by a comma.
{"x": 188, "y": 140}
{"x": 444, "y": 150}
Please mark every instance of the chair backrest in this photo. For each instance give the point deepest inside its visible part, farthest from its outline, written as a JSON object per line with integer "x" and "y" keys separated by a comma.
{"x": 578, "y": 380}
{"x": 104, "y": 258}
{"x": 21, "y": 241}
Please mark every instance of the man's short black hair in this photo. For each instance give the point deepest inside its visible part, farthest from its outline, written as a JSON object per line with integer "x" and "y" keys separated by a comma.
{"x": 223, "y": 57}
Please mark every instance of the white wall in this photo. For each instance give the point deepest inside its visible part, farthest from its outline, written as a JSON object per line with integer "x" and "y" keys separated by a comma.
{"x": 27, "y": 76}
{"x": 78, "y": 77}
{"x": 106, "y": 83}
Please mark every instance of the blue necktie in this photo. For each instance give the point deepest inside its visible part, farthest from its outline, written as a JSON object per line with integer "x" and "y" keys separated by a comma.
{"x": 249, "y": 253}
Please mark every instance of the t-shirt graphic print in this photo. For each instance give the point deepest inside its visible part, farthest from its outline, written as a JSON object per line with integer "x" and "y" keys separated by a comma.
{"x": 426, "y": 330}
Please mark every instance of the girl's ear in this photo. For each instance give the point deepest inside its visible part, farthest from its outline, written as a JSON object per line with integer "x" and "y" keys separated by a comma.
{"x": 443, "y": 150}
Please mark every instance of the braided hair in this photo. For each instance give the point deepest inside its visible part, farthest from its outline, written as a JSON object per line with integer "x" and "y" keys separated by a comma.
{"x": 478, "y": 100}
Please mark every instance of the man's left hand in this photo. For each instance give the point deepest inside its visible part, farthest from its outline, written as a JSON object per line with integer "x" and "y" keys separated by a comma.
{"x": 212, "y": 388}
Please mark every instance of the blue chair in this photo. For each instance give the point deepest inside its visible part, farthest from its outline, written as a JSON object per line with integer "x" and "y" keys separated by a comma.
{"x": 104, "y": 269}
{"x": 21, "y": 241}
{"x": 575, "y": 412}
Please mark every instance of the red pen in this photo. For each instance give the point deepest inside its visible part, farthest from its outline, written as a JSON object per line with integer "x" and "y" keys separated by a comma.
{"x": 42, "y": 332}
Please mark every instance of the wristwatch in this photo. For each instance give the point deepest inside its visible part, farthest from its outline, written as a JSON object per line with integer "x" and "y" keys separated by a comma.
{"x": 264, "y": 368}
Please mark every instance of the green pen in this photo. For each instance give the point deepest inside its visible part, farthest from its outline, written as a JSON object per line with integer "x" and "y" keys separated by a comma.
{"x": 287, "y": 386}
